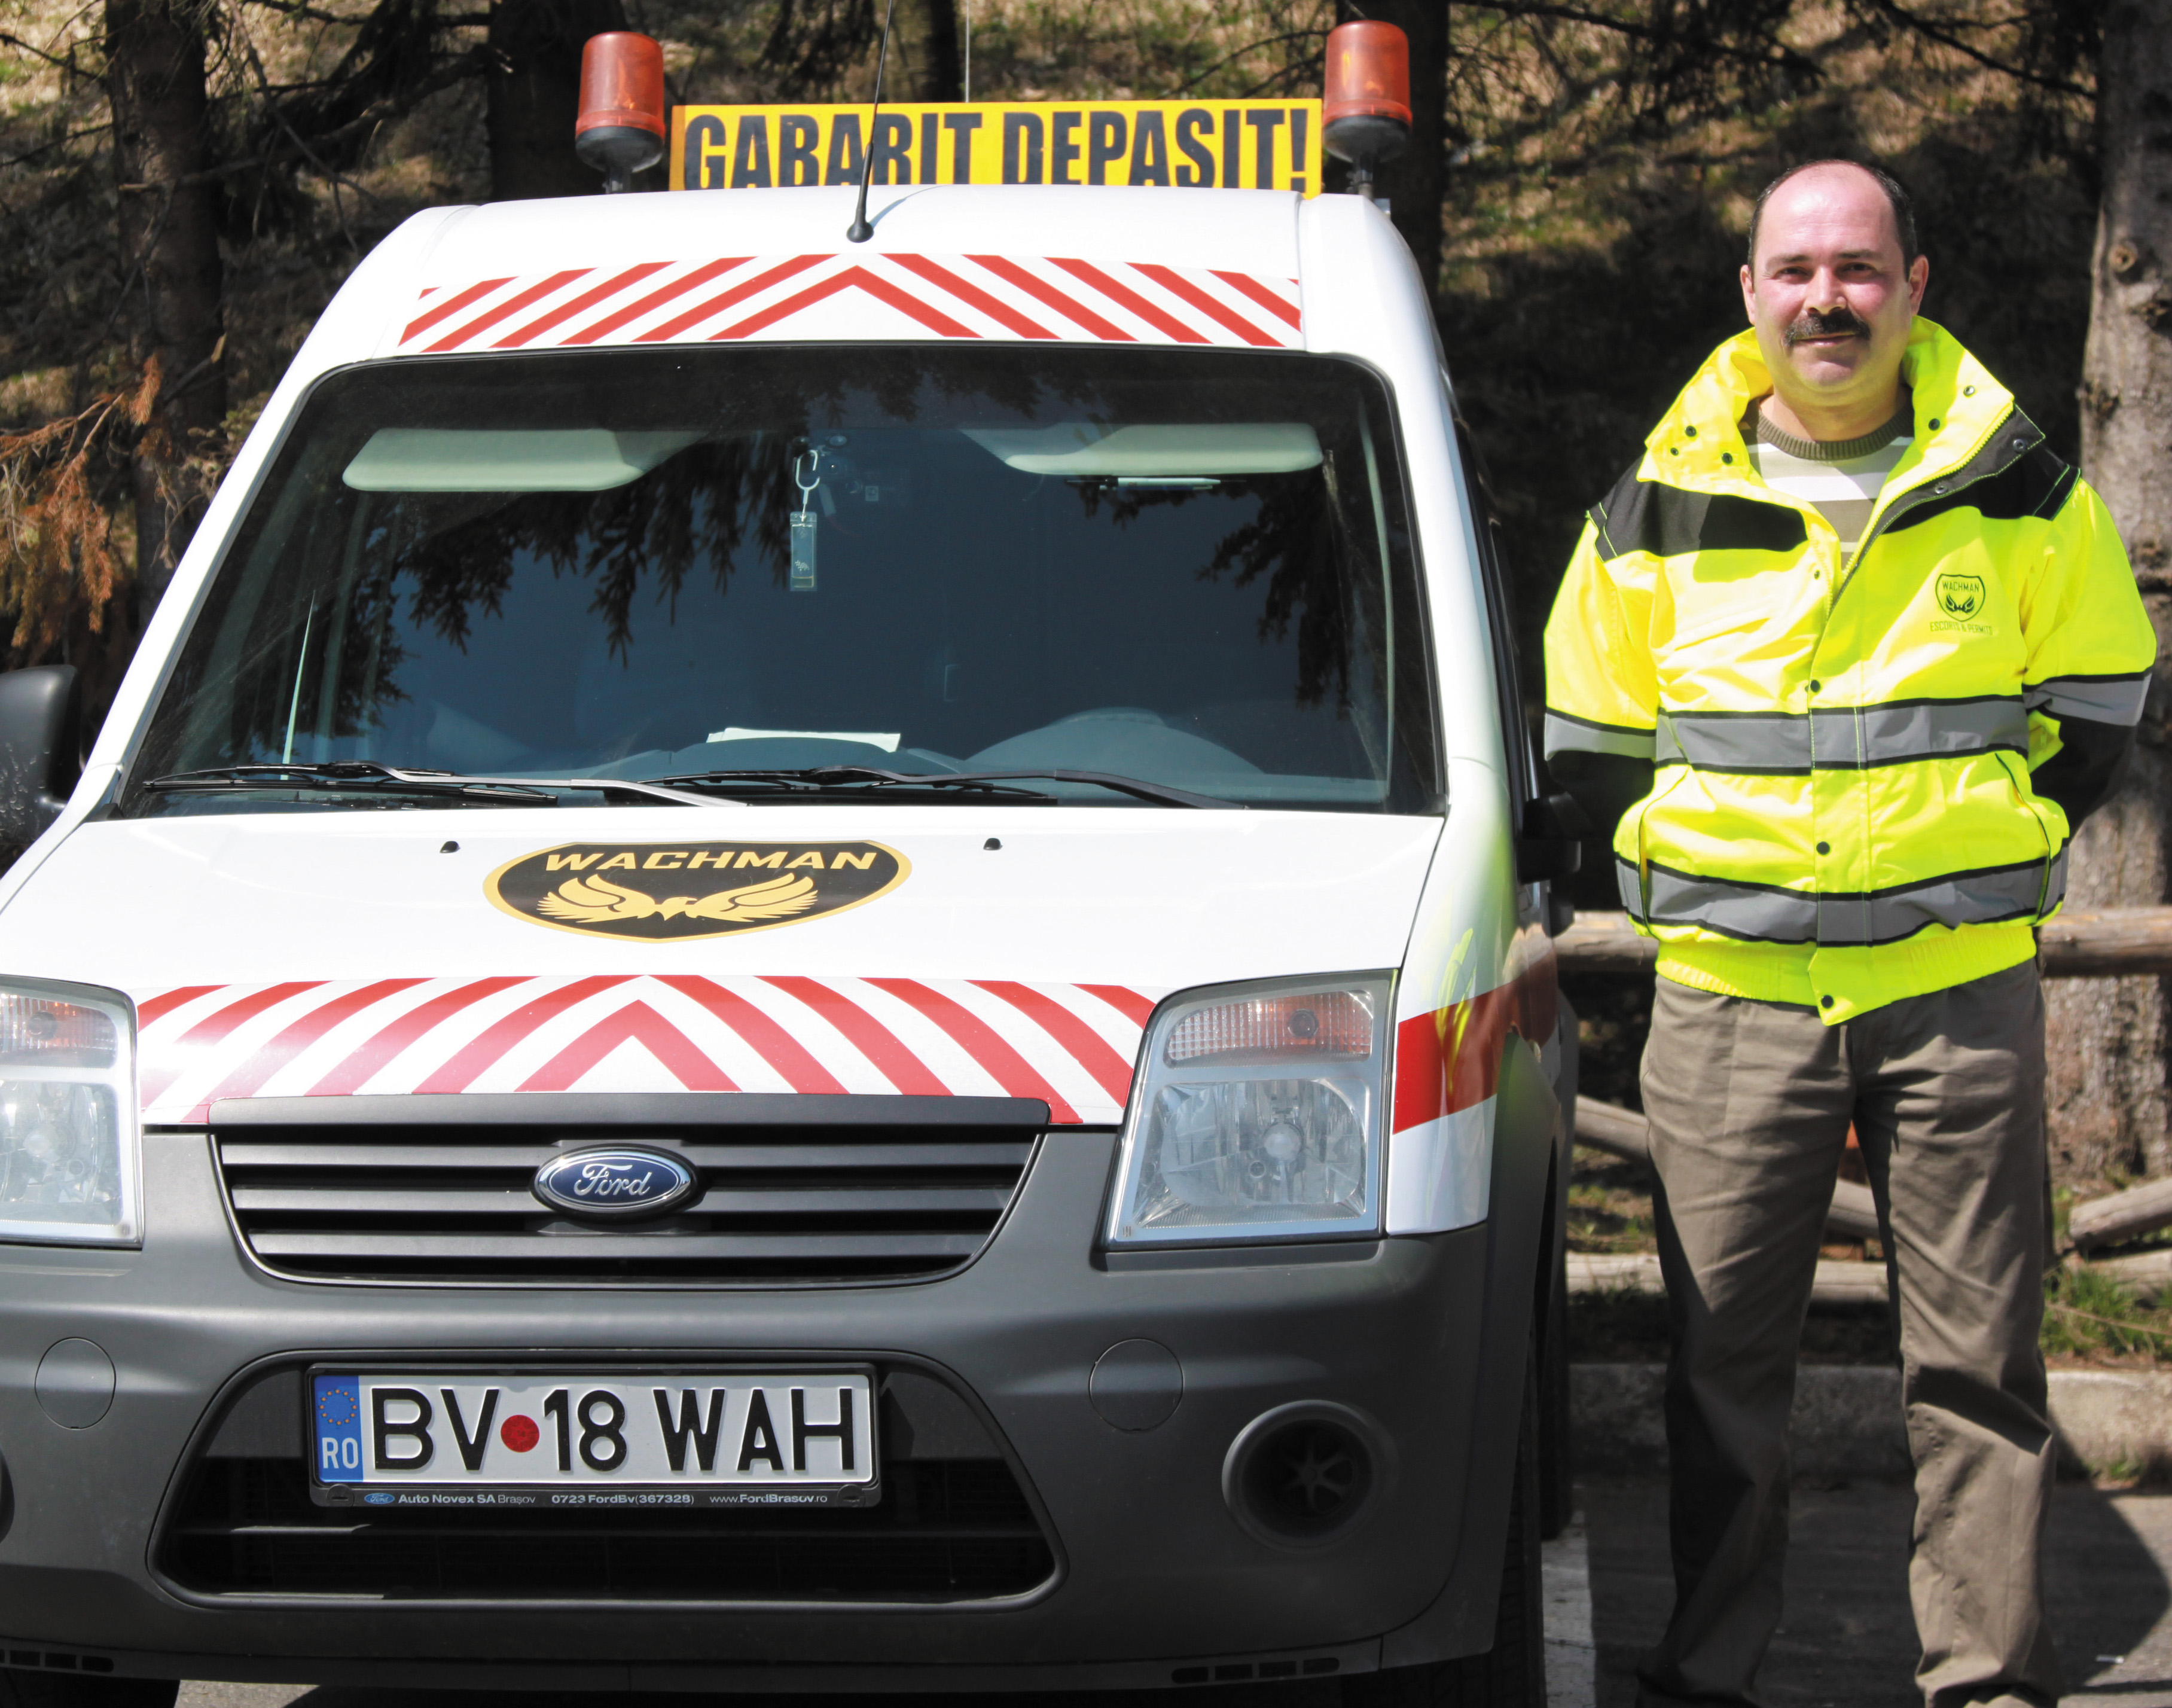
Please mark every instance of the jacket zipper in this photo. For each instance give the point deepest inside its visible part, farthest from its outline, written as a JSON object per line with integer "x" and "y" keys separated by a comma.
{"x": 1916, "y": 495}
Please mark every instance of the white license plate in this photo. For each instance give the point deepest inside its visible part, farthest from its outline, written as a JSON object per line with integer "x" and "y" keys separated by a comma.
{"x": 589, "y": 1438}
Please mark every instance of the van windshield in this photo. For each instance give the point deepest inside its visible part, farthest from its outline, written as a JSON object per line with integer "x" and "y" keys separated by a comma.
{"x": 1188, "y": 567}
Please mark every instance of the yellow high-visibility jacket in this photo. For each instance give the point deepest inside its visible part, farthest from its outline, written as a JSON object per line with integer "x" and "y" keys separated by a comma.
{"x": 1843, "y": 810}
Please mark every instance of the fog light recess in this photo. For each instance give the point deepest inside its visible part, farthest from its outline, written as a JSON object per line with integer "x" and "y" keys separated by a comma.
{"x": 1306, "y": 1474}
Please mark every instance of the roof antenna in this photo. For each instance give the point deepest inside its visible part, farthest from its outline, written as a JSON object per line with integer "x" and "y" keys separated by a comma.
{"x": 859, "y": 231}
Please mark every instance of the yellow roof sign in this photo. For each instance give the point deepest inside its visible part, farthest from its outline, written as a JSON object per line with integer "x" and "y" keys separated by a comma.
{"x": 1206, "y": 145}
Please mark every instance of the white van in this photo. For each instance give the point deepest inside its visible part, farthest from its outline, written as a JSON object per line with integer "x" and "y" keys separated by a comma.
{"x": 800, "y": 966}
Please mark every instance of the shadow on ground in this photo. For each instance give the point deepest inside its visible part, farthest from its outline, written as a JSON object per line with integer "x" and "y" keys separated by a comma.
{"x": 1297, "y": 1695}
{"x": 1847, "y": 1639}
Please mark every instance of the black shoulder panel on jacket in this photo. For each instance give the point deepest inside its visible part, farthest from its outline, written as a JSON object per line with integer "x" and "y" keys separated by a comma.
{"x": 1744, "y": 524}
{"x": 2036, "y": 484}
{"x": 1650, "y": 516}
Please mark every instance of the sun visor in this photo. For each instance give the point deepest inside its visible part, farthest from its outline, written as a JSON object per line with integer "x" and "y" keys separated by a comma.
{"x": 1091, "y": 450}
{"x": 507, "y": 459}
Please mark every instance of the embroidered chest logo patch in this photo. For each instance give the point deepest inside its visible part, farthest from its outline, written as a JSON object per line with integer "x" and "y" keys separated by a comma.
{"x": 1960, "y": 595}
{"x": 655, "y": 892}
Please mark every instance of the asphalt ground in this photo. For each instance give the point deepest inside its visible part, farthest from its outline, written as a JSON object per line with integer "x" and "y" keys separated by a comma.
{"x": 1846, "y": 1640}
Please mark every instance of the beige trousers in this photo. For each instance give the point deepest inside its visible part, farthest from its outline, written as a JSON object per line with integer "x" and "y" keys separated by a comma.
{"x": 1750, "y": 1105}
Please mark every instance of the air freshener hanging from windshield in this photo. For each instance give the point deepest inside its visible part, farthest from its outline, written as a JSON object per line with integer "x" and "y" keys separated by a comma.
{"x": 807, "y": 475}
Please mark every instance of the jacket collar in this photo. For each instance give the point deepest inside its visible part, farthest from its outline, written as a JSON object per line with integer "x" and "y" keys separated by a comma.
{"x": 1698, "y": 443}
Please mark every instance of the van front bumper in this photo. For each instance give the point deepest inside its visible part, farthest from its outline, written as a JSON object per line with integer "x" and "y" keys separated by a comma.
{"x": 1154, "y": 1580}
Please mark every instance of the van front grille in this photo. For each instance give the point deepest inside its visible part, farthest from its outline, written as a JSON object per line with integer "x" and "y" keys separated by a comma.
{"x": 792, "y": 1190}
{"x": 944, "y": 1530}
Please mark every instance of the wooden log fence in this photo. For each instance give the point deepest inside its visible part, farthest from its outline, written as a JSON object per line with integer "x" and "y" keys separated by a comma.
{"x": 1835, "y": 1282}
{"x": 2110, "y": 943}
{"x": 1619, "y": 1132}
{"x": 2147, "y": 1273}
{"x": 1624, "y": 1133}
{"x": 2122, "y": 1217}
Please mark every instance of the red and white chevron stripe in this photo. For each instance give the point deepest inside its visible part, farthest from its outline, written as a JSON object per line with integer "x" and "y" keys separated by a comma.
{"x": 1073, "y": 1045}
{"x": 868, "y": 296}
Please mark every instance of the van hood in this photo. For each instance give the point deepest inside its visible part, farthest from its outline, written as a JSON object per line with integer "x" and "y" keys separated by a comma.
{"x": 961, "y": 951}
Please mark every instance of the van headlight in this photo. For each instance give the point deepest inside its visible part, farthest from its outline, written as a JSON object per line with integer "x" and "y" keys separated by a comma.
{"x": 69, "y": 1120}
{"x": 1257, "y": 1116}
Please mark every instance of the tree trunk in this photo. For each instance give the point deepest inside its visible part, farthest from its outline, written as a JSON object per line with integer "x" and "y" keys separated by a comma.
{"x": 1415, "y": 182}
{"x": 2107, "y": 1095}
{"x": 534, "y": 95}
{"x": 171, "y": 272}
{"x": 945, "y": 80}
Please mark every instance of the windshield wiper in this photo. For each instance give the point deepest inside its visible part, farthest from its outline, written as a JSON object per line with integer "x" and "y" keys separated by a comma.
{"x": 849, "y": 780}
{"x": 368, "y": 776}
{"x": 853, "y": 778}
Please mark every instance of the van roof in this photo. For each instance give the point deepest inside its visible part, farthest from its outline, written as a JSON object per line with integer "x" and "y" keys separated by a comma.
{"x": 1110, "y": 264}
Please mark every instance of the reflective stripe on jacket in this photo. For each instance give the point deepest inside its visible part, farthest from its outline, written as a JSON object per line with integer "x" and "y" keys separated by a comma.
{"x": 1842, "y": 812}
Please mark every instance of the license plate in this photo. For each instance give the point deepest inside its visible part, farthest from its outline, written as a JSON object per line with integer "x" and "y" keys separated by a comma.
{"x": 592, "y": 1438}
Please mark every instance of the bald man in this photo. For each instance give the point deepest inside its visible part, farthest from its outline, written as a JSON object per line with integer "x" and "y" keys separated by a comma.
{"x": 1845, "y": 659}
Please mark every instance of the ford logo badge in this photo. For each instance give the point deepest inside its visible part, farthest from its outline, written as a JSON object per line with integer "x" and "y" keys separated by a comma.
{"x": 620, "y": 1183}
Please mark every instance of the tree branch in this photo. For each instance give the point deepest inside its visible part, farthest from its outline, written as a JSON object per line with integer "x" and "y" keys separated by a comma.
{"x": 474, "y": 63}
{"x": 1785, "y": 58}
{"x": 1192, "y": 82}
{"x": 1945, "y": 37}
{"x": 52, "y": 59}
{"x": 300, "y": 8}
{"x": 29, "y": 154}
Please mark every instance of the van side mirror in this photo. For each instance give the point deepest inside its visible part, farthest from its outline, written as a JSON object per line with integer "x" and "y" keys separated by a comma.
{"x": 40, "y": 749}
{"x": 1551, "y": 844}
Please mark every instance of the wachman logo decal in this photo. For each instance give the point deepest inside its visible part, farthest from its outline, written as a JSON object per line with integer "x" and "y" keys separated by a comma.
{"x": 655, "y": 891}
{"x": 1960, "y": 595}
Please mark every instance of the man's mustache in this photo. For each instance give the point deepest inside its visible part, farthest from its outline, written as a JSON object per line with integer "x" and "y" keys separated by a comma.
{"x": 1813, "y": 323}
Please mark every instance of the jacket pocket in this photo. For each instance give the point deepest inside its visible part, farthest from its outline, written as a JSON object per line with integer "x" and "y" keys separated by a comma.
{"x": 2025, "y": 798}
{"x": 1639, "y": 904}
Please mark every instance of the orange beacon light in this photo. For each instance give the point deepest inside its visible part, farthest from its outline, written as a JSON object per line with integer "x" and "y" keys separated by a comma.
{"x": 620, "y": 126}
{"x": 1366, "y": 112}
